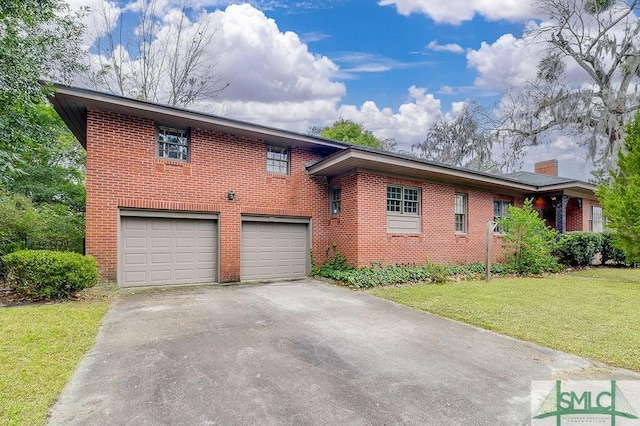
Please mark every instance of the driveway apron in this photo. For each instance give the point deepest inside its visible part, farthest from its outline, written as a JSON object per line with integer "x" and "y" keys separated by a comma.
{"x": 301, "y": 352}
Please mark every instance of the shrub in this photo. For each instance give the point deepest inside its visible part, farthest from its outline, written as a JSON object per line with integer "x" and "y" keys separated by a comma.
{"x": 50, "y": 274}
{"x": 578, "y": 248}
{"x": 529, "y": 240}
{"x": 611, "y": 253}
{"x": 44, "y": 226}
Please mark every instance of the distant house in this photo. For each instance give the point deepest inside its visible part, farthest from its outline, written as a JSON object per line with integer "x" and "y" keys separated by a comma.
{"x": 176, "y": 196}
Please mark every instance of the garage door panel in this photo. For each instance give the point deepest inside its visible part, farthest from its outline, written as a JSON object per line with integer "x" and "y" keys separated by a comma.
{"x": 160, "y": 258}
{"x": 163, "y": 251}
{"x": 133, "y": 242}
{"x": 272, "y": 250}
{"x": 160, "y": 224}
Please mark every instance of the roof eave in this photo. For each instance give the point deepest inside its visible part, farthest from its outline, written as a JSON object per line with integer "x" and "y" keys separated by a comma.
{"x": 352, "y": 158}
{"x": 72, "y": 103}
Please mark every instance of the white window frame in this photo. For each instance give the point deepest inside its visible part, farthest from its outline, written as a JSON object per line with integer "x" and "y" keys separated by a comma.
{"x": 597, "y": 222}
{"x": 278, "y": 160}
{"x": 173, "y": 143}
{"x": 504, "y": 212}
{"x": 335, "y": 200}
{"x": 460, "y": 215}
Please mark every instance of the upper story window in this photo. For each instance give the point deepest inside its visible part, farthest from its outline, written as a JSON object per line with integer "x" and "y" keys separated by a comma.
{"x": 173, "y": 143}
{"x": 335, "y": 195}
{"x": 460, "y": 215}
{"x": 403, "y": 200}
{"x": 277, "y": 160}
{"x": 500, "y": 211}
{"x": 596, "y": 219}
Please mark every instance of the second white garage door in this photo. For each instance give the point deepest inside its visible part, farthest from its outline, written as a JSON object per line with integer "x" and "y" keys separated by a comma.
{"x": 273, "y": 250}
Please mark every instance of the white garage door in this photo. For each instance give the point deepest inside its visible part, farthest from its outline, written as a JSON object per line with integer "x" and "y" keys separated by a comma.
{"x": 167, "y": 251}
{"x": 273, "y": 250}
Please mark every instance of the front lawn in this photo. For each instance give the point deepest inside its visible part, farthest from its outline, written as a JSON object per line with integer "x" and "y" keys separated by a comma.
{"x": 41, "y": 345}
{"x": 594, "y": 315}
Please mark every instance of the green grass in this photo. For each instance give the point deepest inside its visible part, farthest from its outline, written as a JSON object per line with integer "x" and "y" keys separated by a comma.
{"x": 41, "y": 345}
{"x": 593, "y": 316}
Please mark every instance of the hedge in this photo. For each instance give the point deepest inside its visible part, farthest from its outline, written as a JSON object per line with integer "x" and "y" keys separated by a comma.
{"x": 49, "y": 274}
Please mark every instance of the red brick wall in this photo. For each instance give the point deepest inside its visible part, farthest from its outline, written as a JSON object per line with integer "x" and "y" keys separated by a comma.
{"x": 437, "y": 242}
{"x": 574, "y": 216}
{"x": 122, "y": 171}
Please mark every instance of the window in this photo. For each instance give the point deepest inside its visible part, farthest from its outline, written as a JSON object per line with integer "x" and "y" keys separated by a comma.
{"x": 403, "y": 200}
{"x": 596, "y": 220}
{"x": 461, "y": 213}
{"x": 173, "y": 143}
{"x": 500, "y": 211}
{"x": 277, "y": 160}
{"x": 334, "y": 197}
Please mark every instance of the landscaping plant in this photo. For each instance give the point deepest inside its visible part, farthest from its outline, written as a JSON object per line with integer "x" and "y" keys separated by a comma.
{"x": 49, "y": 274}
{"x": 528, "y": 240}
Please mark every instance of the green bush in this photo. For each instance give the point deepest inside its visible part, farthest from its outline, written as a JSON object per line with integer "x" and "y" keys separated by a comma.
{"x": 578, "y": 248}
{"x": 50, "y": 274}
{"x": 528, "y": 241}
{"x": 380, "y": 275}
{"x": 43, "y": 226}
{"x": 611, "y": 253}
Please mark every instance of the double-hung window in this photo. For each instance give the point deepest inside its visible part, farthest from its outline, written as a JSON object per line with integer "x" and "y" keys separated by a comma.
{"x": 173, "y": 143}
{"x": 403, "y": 209}
{"x": 402, "y": 200}
{"x": 460, "y": 215}
{"x": 500, "y": 211}
{"x": 334, "y": 200}
{"x": 596, "y": 219}
{"x": 277, "y": 160}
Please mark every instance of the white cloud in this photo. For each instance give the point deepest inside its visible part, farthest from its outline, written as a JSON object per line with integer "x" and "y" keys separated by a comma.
{"x": 408, "y": 125}
{"x": 449, "y": 47}
{"x": 96, "y": 14}
{"x": 263, "y": 64}
{"x": 457, "y": 11}
{"x": 505, "y": 63}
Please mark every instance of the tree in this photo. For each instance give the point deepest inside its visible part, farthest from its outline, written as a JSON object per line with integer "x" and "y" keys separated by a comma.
{"x": 166, "y": 59}
{"x": 51, "y": 161}
{"x": 352, "y": 132}
{"x": 600, "y": 37}
{"x": 465, "y": 141}
{"x": 39, "y": 39}
{"x": 620, "y": 197}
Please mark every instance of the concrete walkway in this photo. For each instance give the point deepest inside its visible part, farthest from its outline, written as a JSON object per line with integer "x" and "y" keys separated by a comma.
{"x": 302, "y": 352}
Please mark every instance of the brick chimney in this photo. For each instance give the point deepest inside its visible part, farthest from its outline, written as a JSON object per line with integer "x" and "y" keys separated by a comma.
{"x": 549, "y": 167}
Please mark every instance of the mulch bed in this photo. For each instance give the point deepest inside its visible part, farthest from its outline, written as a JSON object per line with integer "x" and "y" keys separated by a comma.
{"x": 9, "y": 297}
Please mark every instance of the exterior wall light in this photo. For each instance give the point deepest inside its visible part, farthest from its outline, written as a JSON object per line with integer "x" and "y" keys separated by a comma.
{"x": 231, "y": 195}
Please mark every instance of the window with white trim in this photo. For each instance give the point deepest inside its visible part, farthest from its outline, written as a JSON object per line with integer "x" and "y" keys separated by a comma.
{"x": 500, "y": 211}
{"x": 460, "y": 215}
{"x": 277, "y": 160}
{"x": 596, "y": 219}
{"x": 173, "y": 143}
{"x": 335, "y": 195}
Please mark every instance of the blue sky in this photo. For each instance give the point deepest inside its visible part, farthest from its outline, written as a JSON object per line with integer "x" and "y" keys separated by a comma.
{"x": 396, "y": 66}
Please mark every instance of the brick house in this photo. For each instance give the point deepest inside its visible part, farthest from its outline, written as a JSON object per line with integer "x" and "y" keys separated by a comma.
{"x": 176, "y": 196}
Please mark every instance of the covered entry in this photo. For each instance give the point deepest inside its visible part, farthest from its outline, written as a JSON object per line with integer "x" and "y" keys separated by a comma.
{"x": 166, "y": 248}
{"x": 274, "y": 248}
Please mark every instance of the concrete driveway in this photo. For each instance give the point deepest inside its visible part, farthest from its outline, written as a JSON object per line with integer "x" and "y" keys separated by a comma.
{"x": 302, "y": 352}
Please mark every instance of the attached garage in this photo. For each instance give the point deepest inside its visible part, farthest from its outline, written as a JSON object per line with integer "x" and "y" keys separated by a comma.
{"x": 167, "y": 248}
{"x": 274, "y": 248}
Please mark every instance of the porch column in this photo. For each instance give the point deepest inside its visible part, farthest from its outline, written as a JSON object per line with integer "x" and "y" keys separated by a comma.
{"x": 561, "y": 213}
